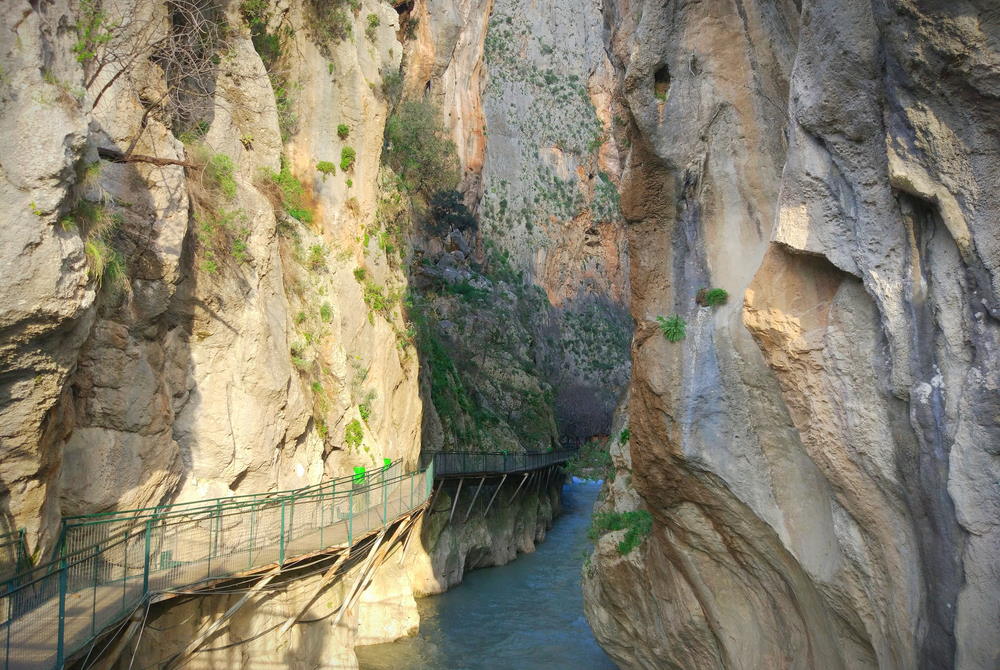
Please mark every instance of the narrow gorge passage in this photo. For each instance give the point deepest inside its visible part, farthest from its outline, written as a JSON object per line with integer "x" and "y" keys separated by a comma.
{"x": 526, "y": 615}
{"x": 307, "y": 308}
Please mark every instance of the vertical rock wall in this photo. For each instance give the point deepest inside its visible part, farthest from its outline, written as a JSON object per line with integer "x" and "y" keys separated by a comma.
{"x": 818, "y": 453}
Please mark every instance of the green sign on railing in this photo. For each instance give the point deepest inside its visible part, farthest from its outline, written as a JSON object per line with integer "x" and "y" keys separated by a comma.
{"x": 359, "y": 474}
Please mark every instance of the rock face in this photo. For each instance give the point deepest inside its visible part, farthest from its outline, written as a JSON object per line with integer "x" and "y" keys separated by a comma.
{"x": 818, "y": 454}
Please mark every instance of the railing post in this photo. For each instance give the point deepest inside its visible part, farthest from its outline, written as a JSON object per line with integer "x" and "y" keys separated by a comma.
{"x": 60, "y": 643}
{"x": 145, "y": 560}
{"x": 350, "y": 517}
{"x": 281, "y": 540}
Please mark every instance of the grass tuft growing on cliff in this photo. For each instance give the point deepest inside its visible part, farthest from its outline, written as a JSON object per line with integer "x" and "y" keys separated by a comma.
{"x": 637, "y": 524}
{"x": 712, "y": 297}
{"x": 673, "y": 328}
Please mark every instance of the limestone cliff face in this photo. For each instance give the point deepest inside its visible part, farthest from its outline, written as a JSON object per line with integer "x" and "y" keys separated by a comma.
{"x": 190, "y": 324}
{"x": 819, "y": 454}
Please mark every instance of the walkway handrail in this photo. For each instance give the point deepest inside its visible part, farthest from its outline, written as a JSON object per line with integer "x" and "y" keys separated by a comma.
{"x": 450, "y": 463}
{"x": 54, "y": 610}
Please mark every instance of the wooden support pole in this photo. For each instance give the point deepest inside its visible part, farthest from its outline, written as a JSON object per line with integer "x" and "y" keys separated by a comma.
{"x": 523, "y": 479}
{"x": 327, "y": 578}
{"x": 490, "y": 504}
{"x": 430, "y": 508}
{"x": 361, "y": 577}
{"x": 207, "y": 632}
{"x": 454, "y": 503}
{"x": 476, "y": 495}
{"x": 372, "y": 564}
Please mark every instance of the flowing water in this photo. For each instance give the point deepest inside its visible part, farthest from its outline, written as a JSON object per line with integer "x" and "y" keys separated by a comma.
{"x": 526, "y": 615}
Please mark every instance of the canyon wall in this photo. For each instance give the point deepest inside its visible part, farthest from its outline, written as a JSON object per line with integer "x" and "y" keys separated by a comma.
{"x": 207, "y": 291}
{"x": 819, "y": 453}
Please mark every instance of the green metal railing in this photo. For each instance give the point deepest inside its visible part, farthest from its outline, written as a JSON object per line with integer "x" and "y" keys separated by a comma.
{"x": 13, "y": 555}
{"x": 453, "y": 463}
{"x": 109, "y": 564}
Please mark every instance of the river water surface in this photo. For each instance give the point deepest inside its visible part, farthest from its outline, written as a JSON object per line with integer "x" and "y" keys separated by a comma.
{"x": 527, "y": 615}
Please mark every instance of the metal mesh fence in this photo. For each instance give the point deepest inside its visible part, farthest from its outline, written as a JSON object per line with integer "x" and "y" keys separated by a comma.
{"x": 110, "y": 563}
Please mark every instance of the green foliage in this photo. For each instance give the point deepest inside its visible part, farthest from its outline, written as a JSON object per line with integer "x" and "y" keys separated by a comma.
{"x": 448, "y": 211}
{"x": 637, "y": 524}
{"x": 673, "y": 328}
{"x": 354, "y": 434}
{"x": 375, "y": 297}
{"x": 592, "y": 461}
{"x": 106, "y": 264}
{"x": 219, "y": 171}
{"x": 219, "y": 232}
{"x": 300, "y": 318}
{"x": 316, "y": 387}
{"x": 392, "y": 85}
{"x": 712, "y": 297}
{"x": 317, "y": 256}
{"x": 326, "y": 168}
{"x": 343, "y": 131}
{"x": 360, "y": 274}
{"x": 292, "y": 194}
{"x": 92, "y": 30}
{"x": 373, "y": 24}
{"x": 624, "y": 436}
{"x": 347, "y": 156}
{"x": 326, "y": 313}
{"x": 465, "y": 290}
{"x": 660, "y": 95}
{"x": 419, "y": 150}
{"x": 365, "y": 410}
{"x": 330, "y": 21}
{"x": 350, "y": 183}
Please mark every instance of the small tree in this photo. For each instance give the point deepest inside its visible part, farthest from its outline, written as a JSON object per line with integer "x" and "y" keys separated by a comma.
{"x": 418, "y": 149}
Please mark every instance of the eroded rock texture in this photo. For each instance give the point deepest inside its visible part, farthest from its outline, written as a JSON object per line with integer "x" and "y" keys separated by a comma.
{"x": 819, "y": 454}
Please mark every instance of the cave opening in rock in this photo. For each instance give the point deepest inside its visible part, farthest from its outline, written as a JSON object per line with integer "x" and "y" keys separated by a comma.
{"x": 661, "y": 82}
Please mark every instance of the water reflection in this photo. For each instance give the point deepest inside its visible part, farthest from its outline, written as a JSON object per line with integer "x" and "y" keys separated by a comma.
{"x": 525, "y": 615}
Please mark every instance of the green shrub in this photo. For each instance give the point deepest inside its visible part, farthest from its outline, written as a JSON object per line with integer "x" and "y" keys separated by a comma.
{"x": 392, "y": 85}
{"x": 712, "y": 297}
{"x": 360, "y": 274}
{"x": 365, "y": 410}
{"x": 419, "y": 150}
{"x": 316, "y": 387}
{"x": 448, "y": 211}
{"x": 300, "y": 318}
{"x": 92, "y": 30}
{"x": 219, "y": 172}
{"x": 326, "y": 313}
{"x": 326, "y": 168}
{"x": 637, "y": 525}
{"x": 347, "y": 157}
{"x": 343, "y": 131}
{"x": 350, "y": 183}
{"x": 317, "y": 256}
{"x": 354, "y": 434}
{"x": 672, "y": 328}
{"x": 624, "y": 436}
{"x": 373, "y": 24}
{"x": 292, "y": 194}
